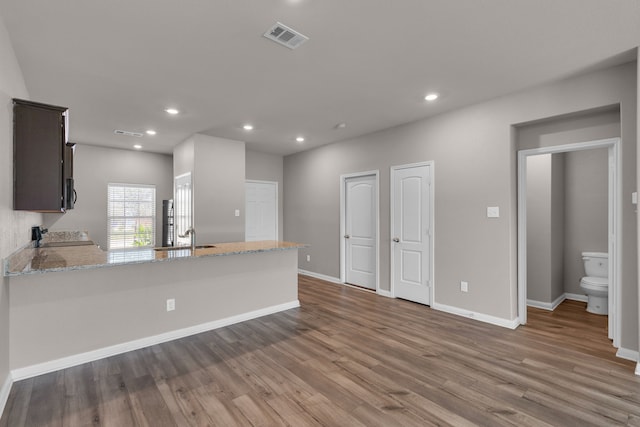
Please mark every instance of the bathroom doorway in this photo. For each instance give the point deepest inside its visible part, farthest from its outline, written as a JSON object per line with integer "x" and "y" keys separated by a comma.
{"x": 612, "y": 145}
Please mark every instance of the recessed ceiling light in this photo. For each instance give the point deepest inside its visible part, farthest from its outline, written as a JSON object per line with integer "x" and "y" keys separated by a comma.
{"x": 137, "y": 146}
{"x": 341, "y": 126}
{"x": 247, "y": 127}
{"x": 172, "y": 111}
{"x": 431, "y": 97}
{"x": 300, "y": 139}
{"x": 151, "y": 132}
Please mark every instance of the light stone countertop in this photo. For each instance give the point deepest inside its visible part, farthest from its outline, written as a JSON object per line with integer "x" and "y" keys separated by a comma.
{"x": 31, "y": 260}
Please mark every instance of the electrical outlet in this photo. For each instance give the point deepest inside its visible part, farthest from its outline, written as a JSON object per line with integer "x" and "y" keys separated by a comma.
{"x": 308, "y": 258}
{"x": 171, "y": 304}
{"x": 464, "y": 286}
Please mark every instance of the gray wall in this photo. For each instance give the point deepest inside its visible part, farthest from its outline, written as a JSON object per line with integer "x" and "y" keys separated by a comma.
{"x": 94, "y": 168}
{"x": 217, "y": 167}
{"x": 586, "y": 209}
{"x": 474, "y": 150}
{"x": 184, "y": 157}
{"x": 580, "y": 188}
{"x": 14, "y": 225}
{"x": 267, "y": 167}
{"x": 558, "y": 191}
{"x": 538, "y": 218}
{"x": 545, "y": 239}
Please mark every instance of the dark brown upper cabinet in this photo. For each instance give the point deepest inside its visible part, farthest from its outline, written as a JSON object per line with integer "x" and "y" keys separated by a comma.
{"x": 42, "y": 158}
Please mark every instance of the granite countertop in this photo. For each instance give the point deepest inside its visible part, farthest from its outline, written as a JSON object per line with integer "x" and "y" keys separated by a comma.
{"x": 31, "y": 260}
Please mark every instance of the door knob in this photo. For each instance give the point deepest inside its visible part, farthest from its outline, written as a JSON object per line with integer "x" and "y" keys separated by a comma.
{"x": 346, "y": 236}
{"x": 395, "y": 239}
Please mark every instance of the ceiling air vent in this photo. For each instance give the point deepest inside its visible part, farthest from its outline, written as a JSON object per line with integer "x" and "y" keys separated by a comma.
{"x": 127, "y": 133}
{"x": 285, "y": 36}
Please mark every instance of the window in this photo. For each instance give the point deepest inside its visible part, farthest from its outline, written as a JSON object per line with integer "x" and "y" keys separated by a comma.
{"x": 131, "y": 216}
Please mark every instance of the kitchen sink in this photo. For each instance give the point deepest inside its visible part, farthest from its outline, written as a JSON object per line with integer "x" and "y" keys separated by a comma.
{"x": 179, "y": 248}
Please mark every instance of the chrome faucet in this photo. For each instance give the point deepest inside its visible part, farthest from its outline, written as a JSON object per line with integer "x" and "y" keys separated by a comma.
{"x": 190, "y": 232}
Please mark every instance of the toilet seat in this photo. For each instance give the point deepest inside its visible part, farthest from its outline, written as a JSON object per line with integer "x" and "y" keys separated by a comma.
{"x": 597, "y": 287}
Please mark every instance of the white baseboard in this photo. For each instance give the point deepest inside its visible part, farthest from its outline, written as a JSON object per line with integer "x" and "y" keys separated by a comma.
{"x": 498, "y": 321}
{"x": 637, "y": 369}
{"x": 4, "y": 392}
{"x": 384, "y": 293}
{"x": 320, "y": 276}
{"x": 550, "y": 306}
{"x": 539, "y": 304}
{"x": 576, "y": 297}
{"x": 90, "y": 356}
{"x": 554, "y": 304}
{"x": 625, "y": 353}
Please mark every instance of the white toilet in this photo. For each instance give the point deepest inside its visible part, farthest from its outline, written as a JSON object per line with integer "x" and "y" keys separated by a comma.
{"x": 596, "y": 282}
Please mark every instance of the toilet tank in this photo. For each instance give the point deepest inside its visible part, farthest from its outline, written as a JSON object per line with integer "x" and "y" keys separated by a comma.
{"x": 596, "y": 264}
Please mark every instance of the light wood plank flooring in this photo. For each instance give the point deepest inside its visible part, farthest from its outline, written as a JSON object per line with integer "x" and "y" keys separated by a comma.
{"x": 350, "y": 358}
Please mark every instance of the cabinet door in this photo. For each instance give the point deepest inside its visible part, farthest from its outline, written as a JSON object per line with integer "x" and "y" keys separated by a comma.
{"x": 38, "y": 152}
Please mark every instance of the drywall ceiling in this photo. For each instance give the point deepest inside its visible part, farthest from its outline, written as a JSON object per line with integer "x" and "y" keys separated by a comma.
{"x": 368, "y": 63}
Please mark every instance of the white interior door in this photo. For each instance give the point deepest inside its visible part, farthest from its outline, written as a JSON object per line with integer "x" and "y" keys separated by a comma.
{"x": 361, "y": 231}
{"x": 261, "y": 221}
{"x": 411, "y": 232}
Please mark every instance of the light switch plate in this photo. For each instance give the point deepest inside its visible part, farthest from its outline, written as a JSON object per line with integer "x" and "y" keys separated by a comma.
{"x": 237, "y": 212}
{"x": 493, "y": 212}
{"x": 634, "y": 198}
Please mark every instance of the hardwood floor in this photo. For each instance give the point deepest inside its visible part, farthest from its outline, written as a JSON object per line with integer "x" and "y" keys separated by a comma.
{"x": 351, "y": 358}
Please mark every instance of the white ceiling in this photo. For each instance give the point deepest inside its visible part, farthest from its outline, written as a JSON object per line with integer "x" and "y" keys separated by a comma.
{"x": 117, "y": 64}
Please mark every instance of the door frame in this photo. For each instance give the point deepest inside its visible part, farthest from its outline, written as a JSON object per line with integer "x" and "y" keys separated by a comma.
{"x": 257, "y": 181}
{"x": 614, "y": 225}
{"x": 431, "y": 260}
{"x": 343, "y": 222}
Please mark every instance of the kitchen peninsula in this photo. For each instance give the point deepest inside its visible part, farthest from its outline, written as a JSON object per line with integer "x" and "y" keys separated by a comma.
{"x": 73, "y": 304}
